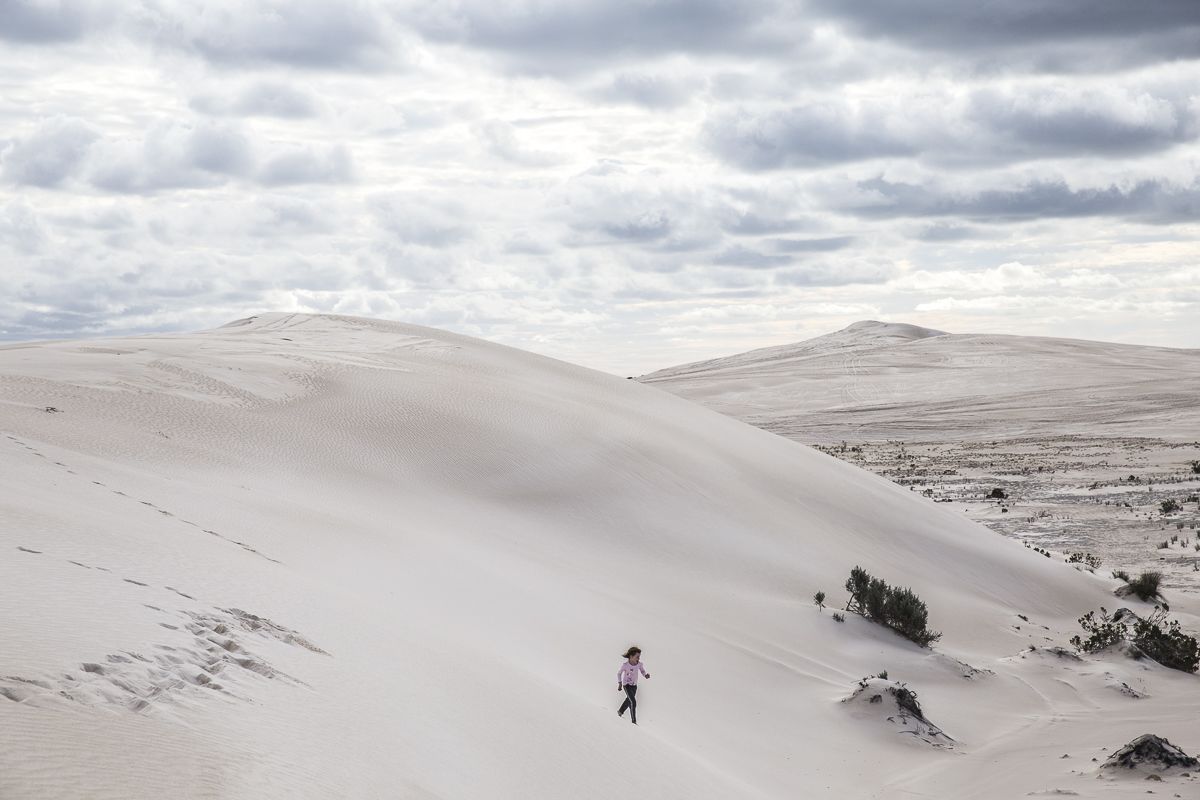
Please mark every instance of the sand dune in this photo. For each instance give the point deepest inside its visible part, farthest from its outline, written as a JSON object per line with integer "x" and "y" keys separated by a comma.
{"x": 874, "y": 381}
{"x": 317, "y": 556}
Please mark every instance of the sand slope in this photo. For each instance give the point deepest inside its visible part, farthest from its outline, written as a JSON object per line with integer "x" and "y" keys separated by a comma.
{"x": 878, "y": 380}
{"x": 311, "y": 556}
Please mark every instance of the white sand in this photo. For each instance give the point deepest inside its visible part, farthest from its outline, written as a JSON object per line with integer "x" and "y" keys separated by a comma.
{"x": 453, "y": 541}
{"x": 878, "y": 380}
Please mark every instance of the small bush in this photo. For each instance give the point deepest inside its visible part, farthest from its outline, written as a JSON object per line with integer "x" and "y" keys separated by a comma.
{"x": 1163, "y": 641}
{"x": 1195, "y": 467}
{"x": 839, "y": 617}
{"x": 1102, "y": 632}
{"x": 819, "y": 599}
{"x": 1169, "y": 506}
{"x": 1145, "y": 586}
{"x": 997, "y": 494}
{"x": 1121, "y": 574}
{"x": 891, "y": 606}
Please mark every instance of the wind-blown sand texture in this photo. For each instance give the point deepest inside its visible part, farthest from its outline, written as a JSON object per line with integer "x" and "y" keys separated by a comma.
{"x": 316, "y": 556}
{"x": 1059, "y": 425}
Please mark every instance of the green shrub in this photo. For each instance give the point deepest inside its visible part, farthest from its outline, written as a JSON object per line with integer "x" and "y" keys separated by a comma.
{"x": 908, "y": 615}
{"x": 1102, "y": 632}
{"x": 1163, "y": 641}
{"x": 819, "y": 599}
{"x": 1155, "y": 636}
{"x": 894, "y": 607}
{"x": 876, "y": 601}
{"x": 1121, "y": 575}
{"x": 839, "y": 617}
{"x": 1169, "y": 506}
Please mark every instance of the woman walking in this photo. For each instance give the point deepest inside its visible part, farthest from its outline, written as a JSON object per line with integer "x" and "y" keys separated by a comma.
{"x": 627, "y": 677}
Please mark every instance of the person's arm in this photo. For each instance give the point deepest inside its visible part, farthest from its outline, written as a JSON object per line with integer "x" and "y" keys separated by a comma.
{"x": 642, "y": 667}
{"x": 619, "y": 670}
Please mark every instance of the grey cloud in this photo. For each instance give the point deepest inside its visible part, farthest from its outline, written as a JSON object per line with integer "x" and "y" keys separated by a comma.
{"x": 20, "y": 228}
{"x": 169, "y": 155}
{"x": 1148, "y": 200}
{"x": 1020, "y": 23}
{"x": 500, "y": 139}
{"x": 307, "y": 164}
{"x": 947, "y": 232}
{"x": 640, "y": 294}
{"x": 1058, "y": 121}
{"x": 421, "y": 220}
{"x": 649, "y": 90}
{"x": 172, "y": 156}
{"x": 266, "y": 99}
{"x": 293, "y": 218}
{"x": 803, "y": 136}
{"x": 56, "y": 21}
{"x": 523, "y": 244}
{"x": 823, "y": 245}
{"x": 836, "y": 274}
{"x": 639, "y": 226}
{"x": 575, "y": 34}
{"x": 50, "y": 154}
{"x": 740, "y": 256}
{"x": 1021, "y": 123}
{"x": 315, "y": 34}
{"x": 757, "y": 223}
{"x": 102, "y": 218}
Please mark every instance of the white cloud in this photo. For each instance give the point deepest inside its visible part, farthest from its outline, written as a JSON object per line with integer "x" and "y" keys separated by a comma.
{"x": 50, "y": 154}
{"x": 615, "y": 182}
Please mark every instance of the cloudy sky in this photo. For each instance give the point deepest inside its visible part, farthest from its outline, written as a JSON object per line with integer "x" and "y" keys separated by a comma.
{"x": 627, "y": 184}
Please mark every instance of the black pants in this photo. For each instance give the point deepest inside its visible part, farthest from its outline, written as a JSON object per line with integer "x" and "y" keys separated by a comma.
{"x": 630, "y": 702}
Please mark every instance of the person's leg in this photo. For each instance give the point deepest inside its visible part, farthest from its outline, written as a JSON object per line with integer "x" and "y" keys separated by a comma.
{"x": 625, "y": 705}
{"x": 631, "y": 690}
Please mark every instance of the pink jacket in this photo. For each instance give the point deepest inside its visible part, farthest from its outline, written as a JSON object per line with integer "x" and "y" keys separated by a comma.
{"x": 628, "y": 673}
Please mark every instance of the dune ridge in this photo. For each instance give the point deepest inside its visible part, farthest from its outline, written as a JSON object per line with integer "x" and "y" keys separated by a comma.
{"x": 429, "y": 551}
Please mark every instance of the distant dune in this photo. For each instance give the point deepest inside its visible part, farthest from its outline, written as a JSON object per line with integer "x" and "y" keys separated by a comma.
{"x": 321, "y": 556}
{"x": 877, "y": 380}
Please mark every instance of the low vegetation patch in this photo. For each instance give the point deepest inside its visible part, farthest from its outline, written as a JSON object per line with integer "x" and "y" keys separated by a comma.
{"x": 1155, "y": 636}
{"x": 891, "y": 606}
{"x": 1150, "y": 752}
{"x": 1087, "y": 559}
{"x": 895, "y": 703}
